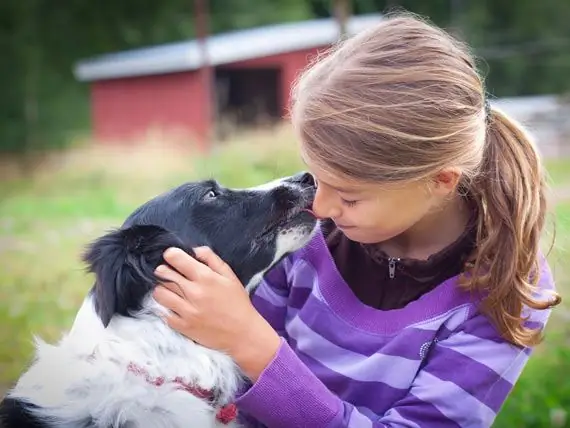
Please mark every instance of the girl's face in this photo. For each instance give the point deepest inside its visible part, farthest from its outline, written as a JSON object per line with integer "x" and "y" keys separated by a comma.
{"x": 372, "y": 213}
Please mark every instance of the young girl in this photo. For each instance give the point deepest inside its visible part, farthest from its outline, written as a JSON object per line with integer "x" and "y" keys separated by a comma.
{"x": 422, "y": 295}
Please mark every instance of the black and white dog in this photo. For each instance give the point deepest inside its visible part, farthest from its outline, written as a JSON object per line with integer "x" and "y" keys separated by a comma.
{"x": 120, "y": 365}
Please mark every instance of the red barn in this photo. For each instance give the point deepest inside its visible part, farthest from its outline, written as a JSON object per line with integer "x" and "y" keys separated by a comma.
{"x": 161, "y": 88}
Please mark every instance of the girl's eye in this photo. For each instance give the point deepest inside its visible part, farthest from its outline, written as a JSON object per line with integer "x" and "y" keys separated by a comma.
{"x": 349, "y": 203}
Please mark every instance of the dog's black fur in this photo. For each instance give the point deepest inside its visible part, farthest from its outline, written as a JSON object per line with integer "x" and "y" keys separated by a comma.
{"x": 201, "y": 214}
{"x": 17, "y": 413}
{"x": 239, "y": 225}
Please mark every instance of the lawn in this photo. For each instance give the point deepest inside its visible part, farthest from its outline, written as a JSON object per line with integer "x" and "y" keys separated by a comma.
{"x": 46, "y": 220}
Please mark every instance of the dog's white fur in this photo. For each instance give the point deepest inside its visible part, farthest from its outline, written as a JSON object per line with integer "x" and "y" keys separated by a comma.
{"x": 85, "y": 374}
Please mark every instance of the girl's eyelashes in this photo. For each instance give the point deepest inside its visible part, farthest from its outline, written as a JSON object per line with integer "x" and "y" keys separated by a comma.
{"x": 348, "y": 203}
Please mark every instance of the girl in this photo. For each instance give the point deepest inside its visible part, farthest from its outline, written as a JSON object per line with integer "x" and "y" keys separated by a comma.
{"x": 422, "y": 295}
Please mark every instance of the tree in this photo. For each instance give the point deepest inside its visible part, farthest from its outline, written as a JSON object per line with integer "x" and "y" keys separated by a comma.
{"x": 341, "y": 11}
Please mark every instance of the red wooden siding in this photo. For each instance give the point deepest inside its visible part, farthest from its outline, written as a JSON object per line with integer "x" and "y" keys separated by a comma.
{"x": 290, "y": 63}
{"x": 128, "y": 108}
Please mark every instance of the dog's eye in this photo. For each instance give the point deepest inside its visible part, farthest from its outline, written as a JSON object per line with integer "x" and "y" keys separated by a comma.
{"x": 212, "y": 194}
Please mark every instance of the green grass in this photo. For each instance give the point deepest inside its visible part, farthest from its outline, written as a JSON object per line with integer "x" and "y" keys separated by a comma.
{"x": 46, "y": 220}
{"x": 559, "y": 172}
{"x": 541, "y": 398}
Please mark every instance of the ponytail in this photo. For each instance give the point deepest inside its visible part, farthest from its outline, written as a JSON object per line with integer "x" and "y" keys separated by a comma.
{"x": 510, "y": 193}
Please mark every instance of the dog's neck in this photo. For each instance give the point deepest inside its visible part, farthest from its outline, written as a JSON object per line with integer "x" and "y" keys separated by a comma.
{"x": 146, "y": 341}
{"x": 120, "y": 365}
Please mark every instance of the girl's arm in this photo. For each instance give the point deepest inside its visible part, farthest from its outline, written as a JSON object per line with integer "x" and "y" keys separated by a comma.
{"x": 465, "y": 381}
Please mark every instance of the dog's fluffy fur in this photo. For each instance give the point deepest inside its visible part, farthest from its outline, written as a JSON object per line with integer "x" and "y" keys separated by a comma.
{"x": 83, "y": 380}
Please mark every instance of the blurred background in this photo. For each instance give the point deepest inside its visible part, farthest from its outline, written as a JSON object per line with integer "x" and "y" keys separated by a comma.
{"x": 104, "y": 104}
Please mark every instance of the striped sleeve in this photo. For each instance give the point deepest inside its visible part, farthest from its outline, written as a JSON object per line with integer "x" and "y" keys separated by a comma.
{"x": 468, "y": 376}
{"x": 464, "y": 382}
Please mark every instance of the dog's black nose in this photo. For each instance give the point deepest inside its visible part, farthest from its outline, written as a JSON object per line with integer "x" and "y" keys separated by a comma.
{"x": 303, "y": 178}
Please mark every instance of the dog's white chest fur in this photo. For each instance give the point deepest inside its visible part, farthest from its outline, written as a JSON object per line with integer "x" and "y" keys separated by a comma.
{"x": 84, "y": 378}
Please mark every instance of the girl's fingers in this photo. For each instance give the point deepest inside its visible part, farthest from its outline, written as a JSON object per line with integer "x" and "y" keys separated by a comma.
{"x": 175, "y": 322}
{"x": 175, "y": 288}
{"x": 187, "y": 265}
{"x": 174, "y": 281}
{"x": 171, "y": 300}
{"x": 215, "y": 262}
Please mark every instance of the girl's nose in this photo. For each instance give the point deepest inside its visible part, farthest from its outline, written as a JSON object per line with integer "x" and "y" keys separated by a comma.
{"x": 324, "y": 207}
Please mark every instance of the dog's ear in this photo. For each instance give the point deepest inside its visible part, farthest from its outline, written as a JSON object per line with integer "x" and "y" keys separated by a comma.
{"x": 123, "y": 262}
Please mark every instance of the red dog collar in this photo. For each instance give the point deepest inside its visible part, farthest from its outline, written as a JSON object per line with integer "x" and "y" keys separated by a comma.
{"x": 225, "y": 414}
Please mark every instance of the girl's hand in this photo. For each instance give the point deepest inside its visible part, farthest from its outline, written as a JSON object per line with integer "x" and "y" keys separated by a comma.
{"x": 211, "y": 307}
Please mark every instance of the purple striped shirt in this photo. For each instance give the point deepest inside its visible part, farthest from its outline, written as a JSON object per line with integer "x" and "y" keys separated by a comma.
{"x": 436, "y": 362}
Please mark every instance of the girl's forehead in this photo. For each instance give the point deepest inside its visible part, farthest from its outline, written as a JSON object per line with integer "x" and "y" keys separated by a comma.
{"x": 343, "y": 186}
{"x": 348, "y": 185}
{"x": 336, "y": 179}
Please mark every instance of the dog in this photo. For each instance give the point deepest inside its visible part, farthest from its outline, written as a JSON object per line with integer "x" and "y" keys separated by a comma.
{"x": 120, "y": 364}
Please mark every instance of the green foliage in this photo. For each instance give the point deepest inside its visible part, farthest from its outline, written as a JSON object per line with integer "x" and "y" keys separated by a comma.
{"x": 526, "y": 47}
{"x": 252, "y": 165}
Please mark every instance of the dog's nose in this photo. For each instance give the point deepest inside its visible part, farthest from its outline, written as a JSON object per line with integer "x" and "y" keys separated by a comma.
{"x": 304, "y": 178}
{"x": 283, "y": 199}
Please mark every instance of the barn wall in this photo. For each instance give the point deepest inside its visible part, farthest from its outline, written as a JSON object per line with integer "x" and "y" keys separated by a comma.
{"x": 126, "y": 109}
{"x": 290, "y": 63}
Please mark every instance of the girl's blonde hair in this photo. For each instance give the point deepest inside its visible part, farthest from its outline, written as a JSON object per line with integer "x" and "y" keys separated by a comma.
{"x": 401, "y": 102}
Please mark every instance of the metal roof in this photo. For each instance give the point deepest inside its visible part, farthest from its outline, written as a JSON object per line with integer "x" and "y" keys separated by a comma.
{"x": 222, "y": 48}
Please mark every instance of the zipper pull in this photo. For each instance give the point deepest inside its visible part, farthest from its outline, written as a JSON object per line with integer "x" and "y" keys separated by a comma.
{"x": 392, "y": 267}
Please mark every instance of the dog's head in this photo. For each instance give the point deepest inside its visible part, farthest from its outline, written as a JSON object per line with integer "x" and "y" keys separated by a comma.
{"x": 250, "y": 229}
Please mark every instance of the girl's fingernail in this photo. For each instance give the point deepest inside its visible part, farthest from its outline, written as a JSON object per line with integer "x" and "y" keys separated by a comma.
{"x": 171, "y": 251}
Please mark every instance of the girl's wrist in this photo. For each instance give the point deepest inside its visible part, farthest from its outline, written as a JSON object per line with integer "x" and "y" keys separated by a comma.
{"x": 256, "y": 349}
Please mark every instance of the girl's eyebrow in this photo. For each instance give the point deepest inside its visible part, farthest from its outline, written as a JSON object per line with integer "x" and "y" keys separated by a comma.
{"x": 342, "y": 189}
{"x": 345, "y": 189}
